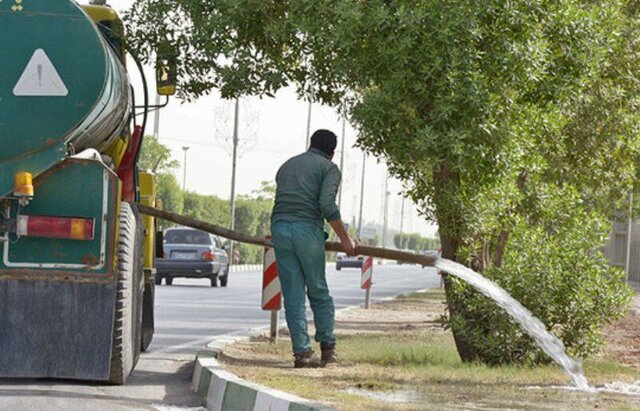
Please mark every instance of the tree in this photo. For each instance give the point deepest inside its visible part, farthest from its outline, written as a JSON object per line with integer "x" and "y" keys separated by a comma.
{"x": 156, "y": 157}
{"x": 503, "y": 118}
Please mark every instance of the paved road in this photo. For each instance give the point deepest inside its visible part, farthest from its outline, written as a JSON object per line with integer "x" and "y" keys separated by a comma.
{"x": 188, "y": 315}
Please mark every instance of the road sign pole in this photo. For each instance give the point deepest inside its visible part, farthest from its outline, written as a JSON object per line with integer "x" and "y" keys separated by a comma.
{"x": 271, "y": 290}
{"x": 367, "y": 299}
{"x": 366, "y": 280}
{"x": 273, "y": 334}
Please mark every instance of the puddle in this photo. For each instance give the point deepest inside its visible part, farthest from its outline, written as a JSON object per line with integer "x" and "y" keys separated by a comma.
{"x": 397, "y": 397}
{"x": 505, "y": 397}
{"x": 616, "y": 387}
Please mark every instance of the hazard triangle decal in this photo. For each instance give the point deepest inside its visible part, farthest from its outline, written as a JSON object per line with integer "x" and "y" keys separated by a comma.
{"x": 40, "y": 78}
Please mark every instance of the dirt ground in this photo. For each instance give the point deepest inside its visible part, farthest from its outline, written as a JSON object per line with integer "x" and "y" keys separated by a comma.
{"x": 397, "y": 357}
{"x": 623, "y": 340}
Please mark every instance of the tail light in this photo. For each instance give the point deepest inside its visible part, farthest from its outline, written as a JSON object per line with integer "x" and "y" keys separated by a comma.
{"x": 208, "y": 256}
{"x": 55, "y": 227}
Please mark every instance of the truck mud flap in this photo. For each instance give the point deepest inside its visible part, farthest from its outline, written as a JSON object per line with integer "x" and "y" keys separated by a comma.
{"x": 56, "y": 329}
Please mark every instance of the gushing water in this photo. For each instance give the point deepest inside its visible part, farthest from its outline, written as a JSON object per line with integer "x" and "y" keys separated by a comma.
{"x": 548, "y": 342}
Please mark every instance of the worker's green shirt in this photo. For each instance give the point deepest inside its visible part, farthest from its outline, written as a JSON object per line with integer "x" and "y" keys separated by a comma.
{"x": 307, "y": 185}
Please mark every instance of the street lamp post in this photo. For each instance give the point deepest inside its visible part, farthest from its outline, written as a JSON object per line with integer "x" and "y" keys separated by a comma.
{"x": 344, "y": 125}
{"x": 309, "y": 122}
{"x": 234, "y": 162}
{"x": 386, "y": 211}
{"x": 156, "y": 123}
{"x": 364, "y": 161}
{"x": 402, "y": 224}
{"x": 184, "y": 168}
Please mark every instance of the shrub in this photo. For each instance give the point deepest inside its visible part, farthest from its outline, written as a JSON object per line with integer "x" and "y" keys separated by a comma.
{"x": 561, "y": 276}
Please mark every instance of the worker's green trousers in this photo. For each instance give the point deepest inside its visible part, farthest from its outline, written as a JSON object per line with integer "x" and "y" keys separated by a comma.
{"x": 301, "y": 263}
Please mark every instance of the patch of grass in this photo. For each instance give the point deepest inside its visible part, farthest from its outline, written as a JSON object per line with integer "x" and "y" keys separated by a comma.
{"x": 423, "y": 360}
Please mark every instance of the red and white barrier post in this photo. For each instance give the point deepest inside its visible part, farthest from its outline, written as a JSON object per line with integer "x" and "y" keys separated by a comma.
{"x": 271, "y": 290}
{"x": 366, "y": 280}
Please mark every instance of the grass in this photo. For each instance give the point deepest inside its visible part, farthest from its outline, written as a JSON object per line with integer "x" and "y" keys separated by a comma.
{"x": 419, "y": 359}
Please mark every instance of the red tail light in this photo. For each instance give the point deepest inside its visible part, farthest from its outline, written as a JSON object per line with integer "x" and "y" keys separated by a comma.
{"x": 208, "y": 256}
{"x": 55, "y": 227}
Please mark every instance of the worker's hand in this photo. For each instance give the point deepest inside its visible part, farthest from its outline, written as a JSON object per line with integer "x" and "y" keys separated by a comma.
{"x": 348, "y": 245}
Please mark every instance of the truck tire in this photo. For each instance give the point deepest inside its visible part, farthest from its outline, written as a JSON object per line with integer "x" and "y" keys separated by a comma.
{"x": 168, "y": 280}
{"x": 224, "y": 279}
{"x": 124, "y": 347}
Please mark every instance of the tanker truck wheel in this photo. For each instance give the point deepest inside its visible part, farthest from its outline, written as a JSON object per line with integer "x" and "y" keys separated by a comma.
{"x": 125, "y": 345}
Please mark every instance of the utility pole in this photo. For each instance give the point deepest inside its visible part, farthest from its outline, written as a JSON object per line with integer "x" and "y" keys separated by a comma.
{"x": 309, "y": 122}
{"x": 402, "y": 224}
{"x": 156, "y": 123}
{"x": 344, "y": 125}
{"x": 184, "y": 168}
{"x": 233, "y": 175}
{"x": 386, "y": 210}
{"x": 364, "y": 161}
{"x": 629, "y": 238}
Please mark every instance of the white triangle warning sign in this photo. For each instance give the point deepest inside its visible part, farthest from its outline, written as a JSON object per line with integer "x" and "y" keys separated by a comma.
{"x": 40, "y": 78}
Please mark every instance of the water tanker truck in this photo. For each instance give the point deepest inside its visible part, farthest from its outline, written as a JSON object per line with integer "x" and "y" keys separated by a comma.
{"x": 76, "y": 275}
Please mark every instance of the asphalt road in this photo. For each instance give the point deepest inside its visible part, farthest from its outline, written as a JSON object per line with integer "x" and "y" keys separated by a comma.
{"x": 189, "y": 314}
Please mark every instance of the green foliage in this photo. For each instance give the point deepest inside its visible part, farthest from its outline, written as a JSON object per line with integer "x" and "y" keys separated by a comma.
{"x": 498, "y": 115}
{"x": 562, "y": 278}
{"x": 416, "y": 242}
{"x": 170, "y": 194}
{"x": 156, "y": 157}
{"x": 253, "y": 216}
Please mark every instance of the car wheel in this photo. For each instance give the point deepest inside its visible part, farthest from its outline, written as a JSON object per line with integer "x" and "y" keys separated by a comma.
{"x": 224, "y": 278}
{"x": 158, "y": 279}
{"x": 214, "y": 280}
{"x": 338, "y": 267}
{"x": 168, "y": 280}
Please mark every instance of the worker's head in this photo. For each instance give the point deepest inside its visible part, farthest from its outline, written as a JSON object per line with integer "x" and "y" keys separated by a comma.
{"x": 325, "y": 141}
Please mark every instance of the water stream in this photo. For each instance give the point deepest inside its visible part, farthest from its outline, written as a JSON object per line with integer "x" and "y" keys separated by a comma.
{"x": 548, "y": 342}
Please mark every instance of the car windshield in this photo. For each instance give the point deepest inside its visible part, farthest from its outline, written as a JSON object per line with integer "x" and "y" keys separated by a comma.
{"x": 186, "y": 237}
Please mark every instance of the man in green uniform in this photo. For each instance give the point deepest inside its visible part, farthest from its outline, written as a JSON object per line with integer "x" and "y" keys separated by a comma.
{"x": 307, "y": 185}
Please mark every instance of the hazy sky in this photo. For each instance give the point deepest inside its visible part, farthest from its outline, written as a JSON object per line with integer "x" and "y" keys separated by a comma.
{"x": 275, "y": 129}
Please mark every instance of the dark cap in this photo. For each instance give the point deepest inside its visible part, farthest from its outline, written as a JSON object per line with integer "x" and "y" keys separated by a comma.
{"x": 325, "y": 141}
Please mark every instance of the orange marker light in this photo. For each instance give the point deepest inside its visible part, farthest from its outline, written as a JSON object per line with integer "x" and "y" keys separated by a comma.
{"x": 23, "y": 184}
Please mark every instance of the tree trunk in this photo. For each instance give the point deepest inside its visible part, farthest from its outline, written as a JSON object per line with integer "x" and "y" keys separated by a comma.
{"x": 451, "y": 222}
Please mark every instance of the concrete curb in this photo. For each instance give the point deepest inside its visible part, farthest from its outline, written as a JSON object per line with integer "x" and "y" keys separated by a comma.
{"x": 222, "y": 391}
{"x": 243, "y": 268}
{"x": 240, "y": 268}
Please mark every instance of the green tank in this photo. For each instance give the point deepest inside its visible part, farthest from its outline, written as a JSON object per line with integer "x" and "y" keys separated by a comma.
{"x": 75, "y": 297}
{"x": 62, "y": 88}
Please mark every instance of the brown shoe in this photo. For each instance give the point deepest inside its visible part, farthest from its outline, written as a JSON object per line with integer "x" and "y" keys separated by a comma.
{"x": 328, "y": 354}
{"x": 307, "y": 359}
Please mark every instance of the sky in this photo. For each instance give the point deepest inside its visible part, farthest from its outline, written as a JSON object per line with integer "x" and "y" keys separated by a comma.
{"x": 271, "y": 131}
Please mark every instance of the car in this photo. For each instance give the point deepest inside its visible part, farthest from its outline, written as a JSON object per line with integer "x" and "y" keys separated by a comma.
{"x": 343, "y": 260}
{"x": 192, "y": 253}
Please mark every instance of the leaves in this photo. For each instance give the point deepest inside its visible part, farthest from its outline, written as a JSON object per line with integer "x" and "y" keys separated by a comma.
{"x": 503, "y": 118}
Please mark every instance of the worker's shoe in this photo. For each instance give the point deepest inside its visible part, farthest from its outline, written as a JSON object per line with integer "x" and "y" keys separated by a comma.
{"x": 307, "y": 359}
{"x": 328, "y": 354}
